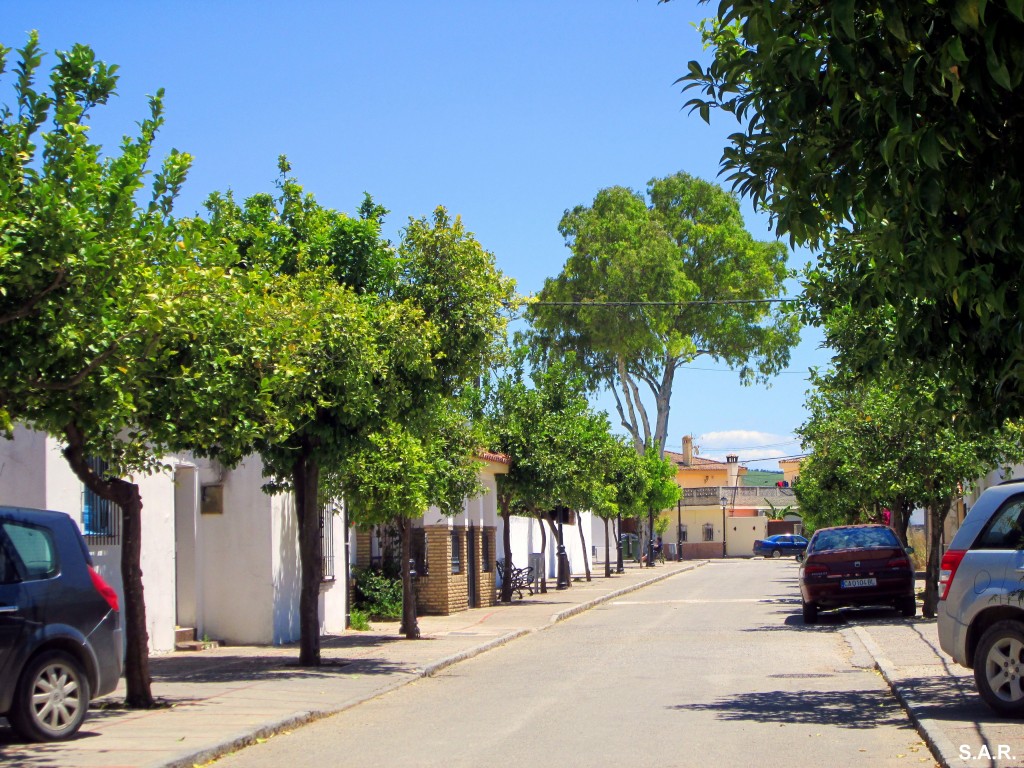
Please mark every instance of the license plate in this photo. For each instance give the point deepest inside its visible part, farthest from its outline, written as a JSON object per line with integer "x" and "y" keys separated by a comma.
{"x": 847, "y": 583}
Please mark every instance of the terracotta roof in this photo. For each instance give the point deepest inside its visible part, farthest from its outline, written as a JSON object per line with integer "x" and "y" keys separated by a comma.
{"x": 698, "y": 461}
{"x": 497, "y": 458}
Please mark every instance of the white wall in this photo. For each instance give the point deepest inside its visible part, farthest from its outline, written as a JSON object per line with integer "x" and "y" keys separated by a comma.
{"x": 35, "y": 474}
{"x": 742, "y": 531}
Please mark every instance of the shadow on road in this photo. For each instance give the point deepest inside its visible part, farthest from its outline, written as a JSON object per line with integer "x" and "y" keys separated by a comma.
{"x": 847, "y": 709}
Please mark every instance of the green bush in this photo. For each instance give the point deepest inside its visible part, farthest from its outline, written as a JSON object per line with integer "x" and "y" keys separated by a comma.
{"x": 359, "y": 620}
{"x": 378, "y": 595}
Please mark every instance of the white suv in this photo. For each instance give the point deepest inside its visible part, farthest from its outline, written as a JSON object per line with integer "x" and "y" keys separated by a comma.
{"x": 981, "y": 597}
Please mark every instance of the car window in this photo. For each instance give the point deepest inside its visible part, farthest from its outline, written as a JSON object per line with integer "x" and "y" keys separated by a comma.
{"x": 849, "y": 538}
{"x": 8, "y": 573}
{"x": 1006, "y": 528}
{"x": 33, "y": 546}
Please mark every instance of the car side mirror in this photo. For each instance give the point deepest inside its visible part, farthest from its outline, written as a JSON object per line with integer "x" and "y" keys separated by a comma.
{"x": 910, "y": 550}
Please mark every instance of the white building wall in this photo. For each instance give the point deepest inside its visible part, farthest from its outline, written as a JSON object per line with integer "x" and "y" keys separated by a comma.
{"x": 235, "y": 570}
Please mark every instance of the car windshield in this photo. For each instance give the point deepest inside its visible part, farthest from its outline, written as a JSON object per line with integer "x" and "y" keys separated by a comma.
{"x": 852, "y": 538}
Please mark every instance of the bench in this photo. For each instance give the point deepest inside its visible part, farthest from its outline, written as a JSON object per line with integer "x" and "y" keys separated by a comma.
{"x": 521, "y": 578}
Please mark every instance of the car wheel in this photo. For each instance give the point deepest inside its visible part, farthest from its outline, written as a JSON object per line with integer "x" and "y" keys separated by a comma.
{"x": 776, "y": 553}
{"x": 999, "y": 667}
{"x": 907, "y": 606}
{"x": 810, "y": 613}
{"x": 51, "y": 699}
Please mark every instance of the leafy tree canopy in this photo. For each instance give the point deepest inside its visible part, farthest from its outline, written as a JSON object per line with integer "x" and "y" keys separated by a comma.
{"x": 648, "y": 255}
{"x": 888, "y": 134}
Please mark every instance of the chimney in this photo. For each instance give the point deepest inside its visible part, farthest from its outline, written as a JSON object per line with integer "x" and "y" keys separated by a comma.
{"x": 687, "y": 450}
{"x": 732, "y": 468}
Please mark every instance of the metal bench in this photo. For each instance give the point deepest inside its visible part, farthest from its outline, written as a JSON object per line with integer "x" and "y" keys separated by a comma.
{"x": 521, "y": 578}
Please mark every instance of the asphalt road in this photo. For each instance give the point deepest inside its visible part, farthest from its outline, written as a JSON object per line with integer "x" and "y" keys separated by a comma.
{"x": 710, "y": 668}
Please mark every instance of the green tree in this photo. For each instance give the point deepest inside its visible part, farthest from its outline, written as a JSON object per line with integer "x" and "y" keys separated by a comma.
{"x": 888, "y": 135}
{"x": 125, "y": 333}
{"x": 394, "y": 334}
{"x": 543, "y": 423}
{"x": 652, "y": 286}
{"x": 885, "y": 445}
{"x": 402, "y": 472}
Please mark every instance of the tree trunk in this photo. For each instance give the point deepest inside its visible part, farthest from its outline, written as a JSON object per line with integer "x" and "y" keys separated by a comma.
{"x": 607, "y": 552}
{"x": 306, "y": 482}
{"x": 127, "y": 496}
{"x": 937, "y": 512}
{"x": 410, "y": 626}
{"x": 900, "y": 519}
{"x": 506, "y": 540}
{"x": 583, "y": 545}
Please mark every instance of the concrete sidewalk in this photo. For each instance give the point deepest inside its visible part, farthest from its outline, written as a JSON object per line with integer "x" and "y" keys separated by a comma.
{"x": 223, "y": 699}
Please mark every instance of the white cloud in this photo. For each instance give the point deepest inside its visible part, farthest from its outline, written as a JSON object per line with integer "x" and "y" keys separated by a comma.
{"x": 737, "y": 439}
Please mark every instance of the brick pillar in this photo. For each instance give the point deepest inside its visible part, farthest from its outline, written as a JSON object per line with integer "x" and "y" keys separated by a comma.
{"x": 488, "y": 581}
{"x": 432, "y": 589}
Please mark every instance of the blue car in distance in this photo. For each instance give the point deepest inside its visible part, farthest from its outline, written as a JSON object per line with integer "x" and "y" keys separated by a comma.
{"x": 781, "y": 544}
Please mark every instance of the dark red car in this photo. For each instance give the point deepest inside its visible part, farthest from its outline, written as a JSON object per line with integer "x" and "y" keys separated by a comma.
{"x": 854, "y": 565}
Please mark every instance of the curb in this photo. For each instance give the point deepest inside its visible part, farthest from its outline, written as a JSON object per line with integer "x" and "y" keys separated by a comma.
{"x": 208, "y": 754}
{"x": 941, "y": 747}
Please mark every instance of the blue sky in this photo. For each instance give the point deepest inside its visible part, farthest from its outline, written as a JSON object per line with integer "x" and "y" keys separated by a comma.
{"x": 507, "y": 113}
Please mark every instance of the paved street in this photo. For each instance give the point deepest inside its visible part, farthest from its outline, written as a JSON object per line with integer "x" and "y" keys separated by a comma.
{"x": 722, "y": 667}
{"x": 713, "y": 667}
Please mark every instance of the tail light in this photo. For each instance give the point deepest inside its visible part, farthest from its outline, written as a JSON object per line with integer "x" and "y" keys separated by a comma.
{"x": 947, "y": 570}
{"x": 898, "y": 562}
{"x": 105, "y": 590}
{"x": 812, "y": 569}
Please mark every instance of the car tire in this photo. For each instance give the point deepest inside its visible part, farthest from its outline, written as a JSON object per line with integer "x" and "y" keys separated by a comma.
{"x": 999, "y": 667}
{"x": 810, "y": 613}
{"x": 51, "y": 699}
{"x": 907, "y": 606}
{"x": 776, "y": 553}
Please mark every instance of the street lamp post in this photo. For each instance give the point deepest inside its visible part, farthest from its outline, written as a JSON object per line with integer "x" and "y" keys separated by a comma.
{"x": 650, "y": 542}
{"x": 563, "y": 558}
{"x": 618, "y": 547}
{"x": 679, "y": 530}
{"x": 724, "y": 501}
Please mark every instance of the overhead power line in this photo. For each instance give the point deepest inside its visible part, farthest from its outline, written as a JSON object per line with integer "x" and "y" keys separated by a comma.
{"x": 693, "y": 303}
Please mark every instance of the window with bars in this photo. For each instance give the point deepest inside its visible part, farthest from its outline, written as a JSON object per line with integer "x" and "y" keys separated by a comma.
{"x": 485, "y": 553}
{"x": 709, "y": 532}
{"x": 683, "y": 533}
{"x": 101, "y": 519}
{"x": 456, "y": 552}
{"x": 327, "y": 541}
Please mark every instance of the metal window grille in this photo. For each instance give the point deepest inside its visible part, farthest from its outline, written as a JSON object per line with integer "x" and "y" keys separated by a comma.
{"x": 683, "y": 533}
{"x": 485, "y": 552}
{"x": 419, "y": 551}
{"x": 456, "y": 552}
{"x": 709, "y": 532}
{"x": 327, "y": 541}
{"x": 101, "y": 518}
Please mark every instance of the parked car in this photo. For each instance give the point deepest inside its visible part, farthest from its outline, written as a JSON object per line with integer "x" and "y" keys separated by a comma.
{"x": 856, "y": 565}
{"x": 60, "y": 627}
{"x": 781, "y": 544}
{"x": 981, "y": 597}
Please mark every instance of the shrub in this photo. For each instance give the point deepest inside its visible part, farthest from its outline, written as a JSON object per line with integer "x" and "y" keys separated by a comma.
{"x": 378, "y": 595}
{"x": 359, "y": 620}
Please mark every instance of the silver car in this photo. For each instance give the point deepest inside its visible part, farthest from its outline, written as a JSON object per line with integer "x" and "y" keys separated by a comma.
{"x": 981, "y": 597}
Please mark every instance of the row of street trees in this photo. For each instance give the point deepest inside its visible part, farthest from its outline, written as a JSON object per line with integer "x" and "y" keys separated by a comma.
{"x": 883, "y": 135}
{"x": 278, "y": 327}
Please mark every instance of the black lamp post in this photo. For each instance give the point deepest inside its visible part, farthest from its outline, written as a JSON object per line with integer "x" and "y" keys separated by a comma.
{"x": 679, "y": 530}
{"x": 724, "y": 501}
{"x": 650, "y": 542}
{"x": 618, "y": 546}
{"x": 563, "y": 558}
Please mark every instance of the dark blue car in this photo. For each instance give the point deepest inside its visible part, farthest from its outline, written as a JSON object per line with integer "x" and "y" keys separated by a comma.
{"x": 781, "y": 544}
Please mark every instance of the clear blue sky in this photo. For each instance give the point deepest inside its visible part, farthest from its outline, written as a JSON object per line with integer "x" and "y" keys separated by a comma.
{"x": 505, "y": 112}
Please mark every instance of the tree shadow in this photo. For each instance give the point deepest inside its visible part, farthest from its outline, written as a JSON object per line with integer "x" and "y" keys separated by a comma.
{"x": 858, "y": 709}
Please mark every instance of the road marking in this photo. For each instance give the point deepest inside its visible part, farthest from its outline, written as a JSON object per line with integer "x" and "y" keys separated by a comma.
{"x": 698, "y": 601}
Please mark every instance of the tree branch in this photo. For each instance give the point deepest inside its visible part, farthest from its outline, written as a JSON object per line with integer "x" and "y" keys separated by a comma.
{"x": 26, "y": 309}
